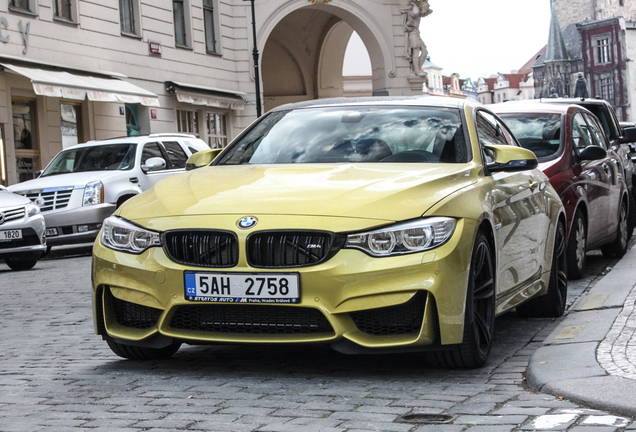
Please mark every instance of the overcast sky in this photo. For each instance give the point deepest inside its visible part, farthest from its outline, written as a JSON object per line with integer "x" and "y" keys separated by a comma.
{"x": 474, "y": 38}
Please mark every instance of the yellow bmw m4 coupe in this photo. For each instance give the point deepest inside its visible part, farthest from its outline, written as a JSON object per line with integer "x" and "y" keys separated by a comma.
{"x": 373, "y": 225}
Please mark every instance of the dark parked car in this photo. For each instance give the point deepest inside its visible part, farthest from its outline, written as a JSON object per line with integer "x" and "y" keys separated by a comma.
{"x": 586, "y": 171}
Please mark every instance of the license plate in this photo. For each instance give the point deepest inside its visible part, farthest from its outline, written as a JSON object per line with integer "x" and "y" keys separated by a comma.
{"x": 50, "y": 232}
{"x": 9, "y": 235}
{"x": 242, "y": 287}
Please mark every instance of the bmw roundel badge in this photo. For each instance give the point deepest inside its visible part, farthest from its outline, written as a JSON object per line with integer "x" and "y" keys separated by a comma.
{"x": 247, "y": 222}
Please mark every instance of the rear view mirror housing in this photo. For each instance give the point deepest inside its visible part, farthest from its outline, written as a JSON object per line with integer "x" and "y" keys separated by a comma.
{"x": 202, "y": 158}
{"x": 592, "y": 153}
{"x": 510, "y": 159}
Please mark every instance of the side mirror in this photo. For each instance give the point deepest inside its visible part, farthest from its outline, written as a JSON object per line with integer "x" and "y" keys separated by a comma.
{"x": 154, "y": 164}
{"x": 593, "y": 153}
{"x": 38, "y": 173}
{"x": 510, "y": 158}
{"x": 629, "y": 135}
{"x": 202, "y": 158}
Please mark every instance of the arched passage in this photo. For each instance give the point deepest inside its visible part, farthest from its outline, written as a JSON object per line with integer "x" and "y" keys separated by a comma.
{"x": 304, "y": 52}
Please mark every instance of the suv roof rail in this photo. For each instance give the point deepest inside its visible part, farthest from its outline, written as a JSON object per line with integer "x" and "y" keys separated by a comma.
{"x": 155, "y": 135}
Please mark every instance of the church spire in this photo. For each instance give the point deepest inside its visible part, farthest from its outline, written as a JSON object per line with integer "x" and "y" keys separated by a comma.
{"x": 556, "y": 49}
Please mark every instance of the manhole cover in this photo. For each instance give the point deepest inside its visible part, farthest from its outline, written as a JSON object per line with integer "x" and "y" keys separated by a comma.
{"x": 426, "y": 418}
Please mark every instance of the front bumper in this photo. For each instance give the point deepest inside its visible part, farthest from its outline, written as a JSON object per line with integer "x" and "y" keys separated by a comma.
{"x": 354, "y": 299}
{"x": 33, "y": 243}
{"x": 77, "y": 225}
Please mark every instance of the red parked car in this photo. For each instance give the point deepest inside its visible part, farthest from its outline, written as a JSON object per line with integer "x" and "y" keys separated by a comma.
{"x": 574, "y": 152}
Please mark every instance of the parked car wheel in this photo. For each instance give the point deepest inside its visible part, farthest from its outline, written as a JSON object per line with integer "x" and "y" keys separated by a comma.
{"x": 20, "y": 263}
{"x": 479, "y": 325}
{"x": 631, "y": 218}
{"x": 576, "y": 246}
{"x": 143, "y": 353}
{"x": 553, "y": 303}
{"x": 618, "y": 247}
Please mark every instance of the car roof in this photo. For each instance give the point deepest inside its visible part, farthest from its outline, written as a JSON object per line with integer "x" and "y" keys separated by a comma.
{"x": 423, "y": 101}
{"x": 531, "y": 107}
{"x": 133, "y": 139}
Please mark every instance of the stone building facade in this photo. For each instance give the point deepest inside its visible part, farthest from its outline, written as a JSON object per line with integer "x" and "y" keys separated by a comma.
{"x": 79, "y": 70}
{"x": 574, "y": 11}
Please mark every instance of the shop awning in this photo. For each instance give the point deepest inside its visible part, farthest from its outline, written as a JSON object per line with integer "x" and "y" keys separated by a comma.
{"x": 208, "y": 96}
{"x": 78, "y": 87}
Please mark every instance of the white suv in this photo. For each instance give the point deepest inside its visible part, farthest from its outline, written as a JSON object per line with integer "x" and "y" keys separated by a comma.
{"x": 85, "y": 183}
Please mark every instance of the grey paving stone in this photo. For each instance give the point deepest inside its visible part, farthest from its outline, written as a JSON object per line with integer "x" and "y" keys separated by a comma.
{"x": 530, "y": 411}
{"x": 491, "y": 428}
{"x": 376, "y": 426}
{"x": 491, "y": 420}
{"x": 441, "y": 428}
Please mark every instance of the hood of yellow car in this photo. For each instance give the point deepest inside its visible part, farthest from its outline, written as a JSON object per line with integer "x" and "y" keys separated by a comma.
{"x": 389, "y": 192}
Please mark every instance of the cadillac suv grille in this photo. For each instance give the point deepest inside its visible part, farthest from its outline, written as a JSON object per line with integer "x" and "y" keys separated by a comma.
{"x": 251, "y": 319}
{"x": 272, "y": 249}
{"x": 393, "y": 320}
{"x": 54, "y": 198}
{"x": 202, "y": 248}
{"x": 13, "y": 214}
{"x": 29, "y": 238}
{"x": 134, "y": 315}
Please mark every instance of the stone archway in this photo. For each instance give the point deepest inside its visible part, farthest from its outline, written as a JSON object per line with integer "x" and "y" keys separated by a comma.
{"x": 304, "y": 52}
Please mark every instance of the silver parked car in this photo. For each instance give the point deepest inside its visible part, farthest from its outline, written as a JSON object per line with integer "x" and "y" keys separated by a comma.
{"x": 85, "y": 183}
{"x": 22, "y": 239}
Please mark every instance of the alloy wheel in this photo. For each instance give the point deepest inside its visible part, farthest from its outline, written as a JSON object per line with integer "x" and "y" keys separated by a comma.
{"x": 483, "y": 304}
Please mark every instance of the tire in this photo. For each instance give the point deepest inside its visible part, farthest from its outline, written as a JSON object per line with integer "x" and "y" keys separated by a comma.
{"x": 20, "y": 264}
{"x": 132, "y": 352}
{"x": 553, "y": 303}
{"x": 479, "y": 319}
{"x": 576, "y": 248}
{"x": 631, "y": 216}
{"x": 618, "y": 247}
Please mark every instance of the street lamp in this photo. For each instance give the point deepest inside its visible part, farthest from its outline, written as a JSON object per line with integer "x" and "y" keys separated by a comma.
{"x": 257, "y": 78}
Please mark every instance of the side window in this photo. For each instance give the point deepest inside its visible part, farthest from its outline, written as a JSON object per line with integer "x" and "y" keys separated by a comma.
{"x": 580, "y": 133}
{"x": 176, "y": 154}
{"x": 598, "y": 136}
{"x": 151, "y": 150}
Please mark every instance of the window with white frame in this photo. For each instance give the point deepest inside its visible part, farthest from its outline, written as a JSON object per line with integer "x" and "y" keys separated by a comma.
{"x": 129, "y": 17}
{"x": 181, "y": 16}
{"x": 27, "y": 6}
{"x": 210, "y": 20}
{"x": 602, "y": 47}
{"x": 188, "y": 122}
{"x": 64, "y": 9}
{"x": 216, "y": 129}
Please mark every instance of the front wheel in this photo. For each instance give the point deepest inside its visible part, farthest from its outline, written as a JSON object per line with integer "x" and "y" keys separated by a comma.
{"x": 132, "y": 352}
{"x": 479, "y": 319}
{"x": 553, "y": 303}
{"x": 618, "y": 247}
{"x": 20, "y": 264}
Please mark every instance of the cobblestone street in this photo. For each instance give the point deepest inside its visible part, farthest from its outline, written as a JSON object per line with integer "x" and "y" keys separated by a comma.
{"x": 57, "y": 375}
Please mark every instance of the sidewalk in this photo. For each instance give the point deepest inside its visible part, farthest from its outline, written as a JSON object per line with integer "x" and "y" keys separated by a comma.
{"x": 590, "y": 358}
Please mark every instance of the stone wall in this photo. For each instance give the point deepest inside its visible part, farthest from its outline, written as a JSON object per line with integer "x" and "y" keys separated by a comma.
{"x": 572, "y": 11}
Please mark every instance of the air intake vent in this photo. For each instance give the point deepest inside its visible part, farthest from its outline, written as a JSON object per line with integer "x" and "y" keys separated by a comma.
{"x": 251, "y": 319}
{"x": 202, "y": 248}
{"x": 393, "y": 320}
{"x": 284, "y": 249}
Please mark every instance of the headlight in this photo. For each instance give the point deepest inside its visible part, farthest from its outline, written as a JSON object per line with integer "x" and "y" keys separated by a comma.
{"x": 404, "y": 238}
{"x": 93, "y": 193}
{"x": 31, "y": 210}
{"x": 121, "y": 235}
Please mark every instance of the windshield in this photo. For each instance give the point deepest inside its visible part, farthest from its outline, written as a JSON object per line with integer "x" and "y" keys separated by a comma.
{"x": 98, "y": 158}
{"x": 539, "y": 132}
{"x": 353, "y": 134}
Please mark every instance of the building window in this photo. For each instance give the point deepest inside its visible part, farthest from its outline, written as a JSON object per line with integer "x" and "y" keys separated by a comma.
{"x": 25, "y": 140}
{"x": 71, "y": 124}
{"x": 217, "y": 130}
{"x": 603, "y": 50}
{"x": 181, "y": 15}
{"x": 607, "y": 89}
{"x": 62, "y": 9}
{"x": 210, "y": 23}
{"x": 128, "y": 16}
{"x": 188, "y": 122}
{"x": 22, "y": 5}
